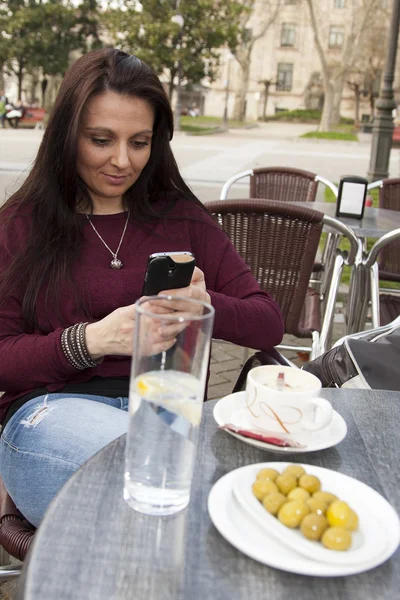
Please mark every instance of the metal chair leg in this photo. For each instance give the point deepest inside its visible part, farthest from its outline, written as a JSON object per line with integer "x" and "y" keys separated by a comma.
{"x": 10, "y": 572}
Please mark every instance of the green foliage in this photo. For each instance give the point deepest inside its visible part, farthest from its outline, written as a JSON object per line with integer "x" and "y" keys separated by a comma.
{"x": 42, "y": 34}
{"x": 153, "y": 37}
{"x": 331, "y": 135}
{"x": 306, "y": 116}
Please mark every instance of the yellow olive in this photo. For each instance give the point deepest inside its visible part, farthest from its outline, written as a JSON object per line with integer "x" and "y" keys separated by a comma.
{"x": 267, "y": 474}
{"x": 317, "y": 506}
{"x": 273, "y": 502}
{"x": 298, "y": 494}
{"x": 295, "y": 470}
{"x": 313, "y": 526}
{"x": 325, "y": 496}
{"x": 310, "y": 483}
{"x": 338, "y": 514}
{"x": 292, "y": 513}
{"x": 336, "y": 538}
{"x": 285, "y": 483}
{"x": 262, "y": 487}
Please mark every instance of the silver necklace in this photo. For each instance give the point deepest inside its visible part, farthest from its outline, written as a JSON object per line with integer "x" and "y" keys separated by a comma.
{"x": 115, "y": 263}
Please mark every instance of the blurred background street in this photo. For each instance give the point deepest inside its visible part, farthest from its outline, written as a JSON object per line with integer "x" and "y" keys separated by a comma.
{"x": 208, "y": 161}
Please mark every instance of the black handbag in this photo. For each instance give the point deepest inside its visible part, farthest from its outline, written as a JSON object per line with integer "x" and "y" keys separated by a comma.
{"x": 372, "y": 362}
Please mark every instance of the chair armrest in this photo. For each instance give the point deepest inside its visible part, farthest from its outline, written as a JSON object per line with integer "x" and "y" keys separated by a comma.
{"x": 231, "y": 180}
{"x": 349, "y": 234}
{"x": 379, "y": 244}
{"x": 328, "y": 184}
{"x": 374, "y": 184}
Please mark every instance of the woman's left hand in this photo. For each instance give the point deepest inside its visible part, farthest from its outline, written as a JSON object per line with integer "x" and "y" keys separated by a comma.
{"x": 195, "y": 291}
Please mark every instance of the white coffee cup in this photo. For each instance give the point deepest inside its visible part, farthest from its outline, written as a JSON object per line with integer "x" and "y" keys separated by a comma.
{"x": 292, "y": 406}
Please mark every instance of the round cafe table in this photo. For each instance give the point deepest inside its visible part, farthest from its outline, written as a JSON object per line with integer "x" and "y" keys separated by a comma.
{"x": 91, "y": 545}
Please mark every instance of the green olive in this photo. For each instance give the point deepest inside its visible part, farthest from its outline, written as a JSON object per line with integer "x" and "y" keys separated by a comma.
{"x": 325, "y": 496}
{"x": 286, "y": 483}
{"x": 267, "y": 474}
{"x": 336, "y": 538}
{"x": 292, "y": 513}
{"x": 298, "y": 494}
{"x": 313, "y": 526}
{"x": 262, "y": 487}
{"x": 317, "y": 506}
{"x": 273, "y": 502}
{"x": 295, "y": 470}
{"x": 310, "y": 483}
{"x": 352, "y": 525}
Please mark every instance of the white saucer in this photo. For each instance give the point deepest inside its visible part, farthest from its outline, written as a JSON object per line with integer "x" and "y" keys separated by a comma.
{"x": 327, "y": 437}
{"x": 241, "y": 531}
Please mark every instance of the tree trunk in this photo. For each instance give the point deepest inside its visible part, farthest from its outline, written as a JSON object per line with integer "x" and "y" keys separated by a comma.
{"x": 337, "y": 99}
{"x": 239, "y": 110}
{"x": 171, "y": 86}
{"x": 20, "y": 77}
{"x": 266, "y": 94}
{"x": 357, "y": 96}
{"x": 44, "y": 84}
{"x": 327, "y": 110}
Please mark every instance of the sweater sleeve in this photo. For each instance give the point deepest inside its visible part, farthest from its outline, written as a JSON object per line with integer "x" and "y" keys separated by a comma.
{"x": 27, "y": 360}
{"x": 244, "y": 314}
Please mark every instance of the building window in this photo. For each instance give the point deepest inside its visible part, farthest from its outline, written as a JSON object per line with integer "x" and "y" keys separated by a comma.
{"x": 284, "y": 77}
{"x": 336, "y": 36}
{"x": 339, "y": 3}
{"x": 288, "y": 34}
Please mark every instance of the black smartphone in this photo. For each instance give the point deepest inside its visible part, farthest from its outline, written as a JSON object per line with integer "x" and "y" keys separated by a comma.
{"x": 168, "y": 271}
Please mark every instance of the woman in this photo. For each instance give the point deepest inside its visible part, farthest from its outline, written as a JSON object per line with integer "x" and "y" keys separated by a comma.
{"x": 104, "y": 193}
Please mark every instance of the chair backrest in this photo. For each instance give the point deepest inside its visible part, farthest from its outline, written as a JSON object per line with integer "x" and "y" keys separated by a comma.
{"x": 283, "y": 183}
{"x": 279, "y": 242}
{"x": 16, "y": 534}
{"x": 389, "y": 257}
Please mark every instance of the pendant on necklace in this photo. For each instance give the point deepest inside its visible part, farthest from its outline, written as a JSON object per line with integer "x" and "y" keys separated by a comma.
{"x": 116, "y": 263}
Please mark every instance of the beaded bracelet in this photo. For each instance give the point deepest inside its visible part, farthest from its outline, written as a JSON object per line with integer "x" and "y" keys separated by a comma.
{"x": 73, "y": 344}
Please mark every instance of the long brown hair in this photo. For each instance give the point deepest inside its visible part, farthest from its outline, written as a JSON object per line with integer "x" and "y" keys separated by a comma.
{"x": 53, "y": 188}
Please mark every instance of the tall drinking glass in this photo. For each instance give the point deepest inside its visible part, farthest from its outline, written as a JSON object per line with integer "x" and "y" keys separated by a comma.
{"x": 167, "y": 388}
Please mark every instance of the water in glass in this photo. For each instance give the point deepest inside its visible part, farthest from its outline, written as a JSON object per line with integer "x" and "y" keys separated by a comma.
{"x": 165, "y": 414}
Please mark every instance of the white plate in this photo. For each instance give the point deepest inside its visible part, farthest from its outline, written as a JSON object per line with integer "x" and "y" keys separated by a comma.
{"x": 368, "y": 543}
{"x": 330, "y": 436}
{"x": 240, "y": 531}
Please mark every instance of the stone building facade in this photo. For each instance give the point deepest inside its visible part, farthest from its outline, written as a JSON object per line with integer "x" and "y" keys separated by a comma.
{"x": 286, "y": 57}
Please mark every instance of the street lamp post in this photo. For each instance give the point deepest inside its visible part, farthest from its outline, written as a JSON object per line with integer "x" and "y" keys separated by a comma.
{"x": 382, "y": 128}
{"x": 179, "y": 20}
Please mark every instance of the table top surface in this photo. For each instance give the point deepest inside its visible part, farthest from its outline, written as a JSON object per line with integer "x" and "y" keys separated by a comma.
{"x": 92, "y": 545}
{"x": 375, "y": 223}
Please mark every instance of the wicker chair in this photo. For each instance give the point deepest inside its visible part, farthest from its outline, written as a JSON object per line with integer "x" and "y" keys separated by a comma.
{"x": 279, "y": 242}
{"x": 384, "y": 307}
{"x": 16, "y": 535}
{"x": 280, "y": 183}
{"x": 389, "y": 256}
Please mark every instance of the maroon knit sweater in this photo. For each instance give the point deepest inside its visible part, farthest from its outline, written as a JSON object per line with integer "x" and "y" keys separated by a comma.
{"x": 244, "y": 314}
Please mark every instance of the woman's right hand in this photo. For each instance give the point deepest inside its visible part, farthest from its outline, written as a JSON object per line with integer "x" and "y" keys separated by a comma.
{"x": 114, "y": 334}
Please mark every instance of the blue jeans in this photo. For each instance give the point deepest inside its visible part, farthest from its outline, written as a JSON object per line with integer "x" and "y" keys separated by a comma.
{"x": 49, "y": 438}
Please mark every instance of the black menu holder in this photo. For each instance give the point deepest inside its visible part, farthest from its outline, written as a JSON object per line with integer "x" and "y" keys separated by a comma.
{"x": 351, "y": 197}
